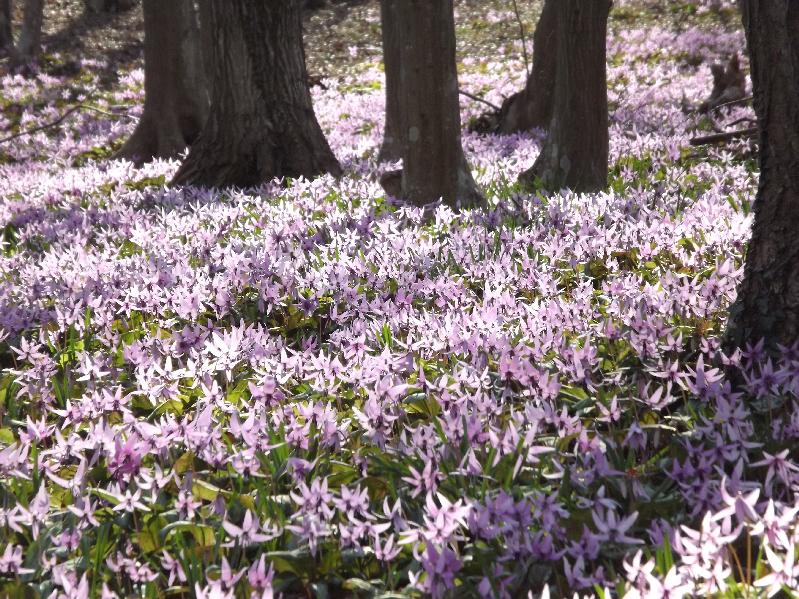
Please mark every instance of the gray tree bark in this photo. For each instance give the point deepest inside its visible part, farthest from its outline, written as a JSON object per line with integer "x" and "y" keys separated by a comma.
{"x": 30, "y": 36}
{"x": 434, "y": 166}
{"x": 391, "y": 149}
{"x": 176, "y": 96}
{"x": 261, "y": 123}
{"x": 575, "y": 153}
{"x": 767, "y": 306}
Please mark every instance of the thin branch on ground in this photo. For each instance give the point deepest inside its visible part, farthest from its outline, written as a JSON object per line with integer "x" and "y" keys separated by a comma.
{"x": 723, "y": 137}
{"x": 61, "y": 119}
{"x": 744, "y": 119}
{"x": 478, "y": 99}
{"x": 745, "y": 100}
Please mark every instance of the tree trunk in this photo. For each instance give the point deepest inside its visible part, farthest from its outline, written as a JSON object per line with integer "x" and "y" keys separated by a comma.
{"x": 434, "y": 166}
{"x": 767, "y": 306}
{"x": 391, "y": 150}
{"x": 6, "y": 33}
{"x": 176, "y": 99}
{"x": 532, "y": 107}
{"x": 96, "y": 5}
{"x": 261, "y": 123}
{"x": 575, "y": 153}
{"x": 107, "y": 5}
{"x": 30, "y": 37}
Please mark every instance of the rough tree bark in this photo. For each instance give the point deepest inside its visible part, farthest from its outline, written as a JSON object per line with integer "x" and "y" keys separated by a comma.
{"x": 261, "y": 123}
{"x": 575, "y": 153}
{"x": 6, "y": 33}
{"x": 30, "y": 36}
{"x": 767, "y": 306}
{"x": 108, "y": 5}
{"x": 175, "y": 94}
{"x": 434, "y": 165}
{"x": 532, "y": 107}
{"x": 391, "y": 149}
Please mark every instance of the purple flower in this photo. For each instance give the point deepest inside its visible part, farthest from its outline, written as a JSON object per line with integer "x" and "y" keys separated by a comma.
{"x": 612, "y": 529}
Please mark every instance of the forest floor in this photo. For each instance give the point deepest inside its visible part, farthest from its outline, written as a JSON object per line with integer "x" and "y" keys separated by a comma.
{"x": 308, "y": 388}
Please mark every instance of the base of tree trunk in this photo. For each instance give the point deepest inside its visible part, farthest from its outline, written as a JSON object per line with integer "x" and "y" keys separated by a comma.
{"x": 391, "y": 182}
{"x": 157, "y": 138}
{"x": 468, "y": 196}
{"x": 176, "y": 97}
{"x": 225, "y": 160}
{"x": 390, "y": 150}
{"x": 261, "y": 123}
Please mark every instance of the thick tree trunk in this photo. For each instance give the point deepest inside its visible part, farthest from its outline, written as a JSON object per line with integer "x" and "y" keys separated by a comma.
{"x": 575, "y": 153}
{"x": 6, "y": 33}
{"x": 767, "y": 306}
{"x": 261, "y": 124}
{"x": 532, "y": 107}
{"x": 391, "y": 149}
{"x": 176, "y": 99}
{"x": 30, "y": 36}
{"x": 434, "y": 166}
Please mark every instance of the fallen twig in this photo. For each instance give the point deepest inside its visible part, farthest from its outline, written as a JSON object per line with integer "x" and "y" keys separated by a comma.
{"x": 745, "y": 100}
{"x": 59, "y": 120}
{"x": 743, "y": 119}
{"x": 479, "y": 99}
{"x": 722, "y": 137}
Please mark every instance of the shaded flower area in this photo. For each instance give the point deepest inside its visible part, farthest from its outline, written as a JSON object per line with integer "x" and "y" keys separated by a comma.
{"x": 308, "y": 389}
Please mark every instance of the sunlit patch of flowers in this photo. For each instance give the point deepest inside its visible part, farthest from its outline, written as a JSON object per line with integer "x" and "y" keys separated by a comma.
{"x": 310, "y": 389}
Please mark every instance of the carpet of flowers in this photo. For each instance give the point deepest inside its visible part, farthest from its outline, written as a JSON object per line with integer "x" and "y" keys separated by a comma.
{"x": 310, "y": 389}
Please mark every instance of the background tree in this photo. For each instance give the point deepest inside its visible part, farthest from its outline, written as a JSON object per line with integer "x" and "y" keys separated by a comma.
{"x": 261, "y": 123}
{"x": 6, "y": 33}
{"x": 391, "y": 149}
{"x": 30, "y": 36}
{"x": 575, "y": 153}
{"x": 108, "y": 5}
{"x": 434, "y": 165}
{"x": 768, "y": 298}
{"x": 532, "y": 106}
{"x": 176, "y": 97}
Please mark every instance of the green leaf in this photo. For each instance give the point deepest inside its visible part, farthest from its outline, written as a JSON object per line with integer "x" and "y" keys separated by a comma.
{"x": 204, "y": 490}
{"x": 298, "y": 562}
{"x": 202, "y": 533}
{"x": 107, "y": 495}
{"x": 7, "y": 436}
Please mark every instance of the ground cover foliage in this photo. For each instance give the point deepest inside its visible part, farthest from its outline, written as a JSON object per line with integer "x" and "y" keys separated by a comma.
{"x": 309, "y": 389}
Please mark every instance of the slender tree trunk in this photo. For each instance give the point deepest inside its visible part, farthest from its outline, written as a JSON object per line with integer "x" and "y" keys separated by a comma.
{"x": 434, "y": 165}
{"x": 532, "y": 107}
{"x": 391, "y": 149}
{"x": 108, "y": 5}
{"x": 261, "y": 124}
{"x": 99, "y": 5}
{"x": 575, "y": 153}
{"x": 176, "y": 99}
{"x": 30, "y": 36}
{"x": 767, "y": 306}
{"x": 6, "y": 33}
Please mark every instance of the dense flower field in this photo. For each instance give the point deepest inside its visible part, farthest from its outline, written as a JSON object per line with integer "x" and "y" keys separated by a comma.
{"x": 310, "y": 389}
